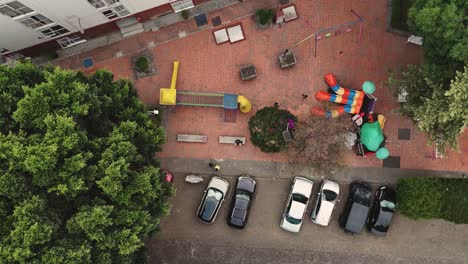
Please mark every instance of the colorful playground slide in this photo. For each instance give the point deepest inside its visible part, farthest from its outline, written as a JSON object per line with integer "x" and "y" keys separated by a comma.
{"x": 351, "y": 100}
{"x": 170, "y": 96}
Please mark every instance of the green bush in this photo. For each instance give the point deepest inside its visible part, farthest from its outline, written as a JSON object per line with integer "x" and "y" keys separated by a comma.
{"x": 431, "y": 198}
{"x": 185, "y": 14}
{"x": 266, "y": 128}
{"x": 142, "y": 64}
{"x": 264, "y": 16}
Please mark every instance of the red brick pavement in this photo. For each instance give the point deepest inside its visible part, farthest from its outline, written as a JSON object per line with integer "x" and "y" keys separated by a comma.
{"x": 208, "y": 67}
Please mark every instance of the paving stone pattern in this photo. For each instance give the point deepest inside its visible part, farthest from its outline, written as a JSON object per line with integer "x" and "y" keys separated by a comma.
{"x": 208, "y": 67}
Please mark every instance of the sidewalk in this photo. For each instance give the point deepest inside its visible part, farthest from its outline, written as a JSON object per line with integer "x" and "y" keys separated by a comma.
{"x": 278, "y": 170}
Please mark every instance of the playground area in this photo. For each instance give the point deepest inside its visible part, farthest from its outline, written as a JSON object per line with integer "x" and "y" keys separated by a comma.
{"x": 209, "y": 79}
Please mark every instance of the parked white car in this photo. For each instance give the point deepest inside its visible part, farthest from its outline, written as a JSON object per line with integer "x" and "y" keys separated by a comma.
{"x": 212, "y": 200}
{"x": 327, "y": 198}
{"x": 296, "y": 204}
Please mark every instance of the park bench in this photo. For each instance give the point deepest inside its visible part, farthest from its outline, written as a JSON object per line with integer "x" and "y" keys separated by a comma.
{"x": 230, "y": 140}
{"x": 192, "y": 138}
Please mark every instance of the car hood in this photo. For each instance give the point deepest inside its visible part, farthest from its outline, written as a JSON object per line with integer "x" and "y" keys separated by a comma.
{"x": 303, "y": 186}
{"x": 247, "y": 184}
{"x": 332, "y": 186}
{"x": 220, "y": 184}
{"x": 324, "y": 214}
{"x": 290, "y": 227}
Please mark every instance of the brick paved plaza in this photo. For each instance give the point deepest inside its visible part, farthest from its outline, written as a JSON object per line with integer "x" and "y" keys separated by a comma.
{"x": 205, "y": 66}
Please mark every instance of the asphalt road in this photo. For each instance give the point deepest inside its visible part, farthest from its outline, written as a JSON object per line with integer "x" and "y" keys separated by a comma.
{"x": 184, "y": 239}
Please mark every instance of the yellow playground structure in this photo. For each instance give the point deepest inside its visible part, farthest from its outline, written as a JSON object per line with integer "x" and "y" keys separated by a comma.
{"x": 230, "y": 102}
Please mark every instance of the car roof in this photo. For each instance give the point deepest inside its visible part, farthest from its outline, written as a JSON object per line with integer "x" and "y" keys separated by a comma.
{"x": 302, "y": 186}
{"x": 219, "y": 183}
{"x": 208, "y": 209}
{"x": 357, "y": 218}
{"x": 325, "y": 212}
{"x": 297, "y": 209}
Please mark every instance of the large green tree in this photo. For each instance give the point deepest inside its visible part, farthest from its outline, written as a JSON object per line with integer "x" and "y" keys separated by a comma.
{"x": 443, "y": 24}
{"x": 436, "y": 96}
{"x": 78, "y": 182}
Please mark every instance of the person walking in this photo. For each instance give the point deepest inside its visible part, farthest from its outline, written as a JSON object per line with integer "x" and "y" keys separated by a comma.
{"x": 214, "y": 165}
{"x": 304, "y": 96}
{"x": 238, "y": 142}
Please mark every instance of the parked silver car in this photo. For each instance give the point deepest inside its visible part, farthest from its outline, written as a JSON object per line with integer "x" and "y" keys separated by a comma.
{"x": 327, "y": 198}
{"x": 296, "y": 204}
{"x": 212, "y": 200}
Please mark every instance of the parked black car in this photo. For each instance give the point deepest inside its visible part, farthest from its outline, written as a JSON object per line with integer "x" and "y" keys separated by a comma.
{"x": 357, "y": 208}
{"x": 243, "y": 196}
{"x": 382, "y": 212}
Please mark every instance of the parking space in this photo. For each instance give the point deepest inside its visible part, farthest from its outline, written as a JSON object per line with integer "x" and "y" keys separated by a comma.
{"x": 406, "y": 238}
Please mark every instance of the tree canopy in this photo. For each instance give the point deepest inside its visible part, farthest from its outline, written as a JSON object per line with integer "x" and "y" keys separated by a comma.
{"x": 443, "y": 24}
{"x": 320, "y": 142}
{"x": 78, "y": 182}
{"x": 437, "y": 90}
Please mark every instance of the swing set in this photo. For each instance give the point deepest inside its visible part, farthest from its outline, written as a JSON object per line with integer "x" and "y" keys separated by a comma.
{"x": 334, "y": 31}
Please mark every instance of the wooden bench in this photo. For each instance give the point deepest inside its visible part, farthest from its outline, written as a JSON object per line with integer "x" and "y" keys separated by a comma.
{"x": 230, "y": 140}
{"x": 192, "y": 138}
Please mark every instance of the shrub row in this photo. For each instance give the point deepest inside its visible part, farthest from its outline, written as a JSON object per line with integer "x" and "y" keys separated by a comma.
{"x": 430, "y": 198}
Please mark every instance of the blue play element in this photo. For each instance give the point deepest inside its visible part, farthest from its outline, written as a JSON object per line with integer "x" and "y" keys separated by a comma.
{"x": 230, "y": 101}
{"x": 88, "y": 62}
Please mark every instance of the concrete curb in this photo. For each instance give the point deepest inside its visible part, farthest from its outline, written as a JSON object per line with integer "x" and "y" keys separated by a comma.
{"x": 282, "y": 170}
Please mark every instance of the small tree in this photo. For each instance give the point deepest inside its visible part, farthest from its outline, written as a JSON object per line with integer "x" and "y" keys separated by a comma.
{"x": 266, "y": 128}
{"x": 442, "y": 24}
{"x": 444, "y": 115}
{"x": 264, "y": 17}
{"x": 320, "y": 142}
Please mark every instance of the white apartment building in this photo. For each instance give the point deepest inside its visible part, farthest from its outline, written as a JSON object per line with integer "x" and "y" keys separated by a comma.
{"x": 28, "y": 23}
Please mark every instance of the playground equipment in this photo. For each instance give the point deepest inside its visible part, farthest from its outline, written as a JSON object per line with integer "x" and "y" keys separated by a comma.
{"x": 336, "y": 30}
{"x": 353, "y": 101}
{"x": 230, "y": 102}
{"x": 371, "y": 139}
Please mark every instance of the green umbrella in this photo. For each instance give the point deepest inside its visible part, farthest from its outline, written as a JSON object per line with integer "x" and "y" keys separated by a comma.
{"x": 371, "y": 136}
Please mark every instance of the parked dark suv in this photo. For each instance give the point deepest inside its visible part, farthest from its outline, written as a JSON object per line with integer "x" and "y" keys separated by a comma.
{"x": 357, "y": 208}
{"x": 241, "y": 202}
{"x": 382, "y": 212}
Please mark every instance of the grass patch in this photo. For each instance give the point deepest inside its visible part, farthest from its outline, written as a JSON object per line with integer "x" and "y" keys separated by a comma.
{"x": 400, "y": 14}
{"x": 433, "y": 198}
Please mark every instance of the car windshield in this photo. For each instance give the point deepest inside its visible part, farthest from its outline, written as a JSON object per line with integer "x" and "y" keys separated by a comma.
{"x": 362, "y": 195}
{"x": 300, "y": 198}
{"x": 329, "y": 195}
{"x": 387, "y": 204}
{"x": 213, "y": 197}
{"x": 293, "y": 220}
{"x": 243, "y": 192}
